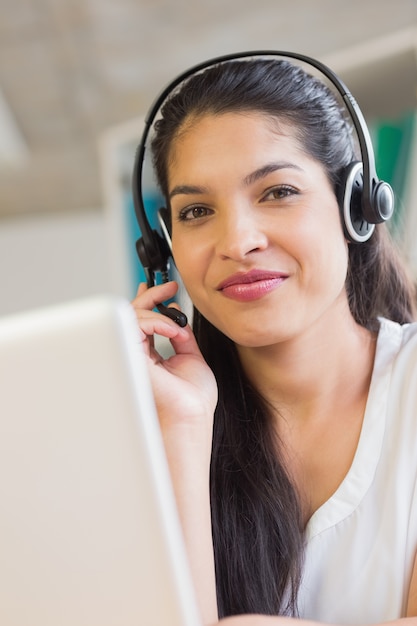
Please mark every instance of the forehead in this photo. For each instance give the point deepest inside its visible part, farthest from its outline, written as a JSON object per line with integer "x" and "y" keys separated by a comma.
{"x": 216, "y": 132}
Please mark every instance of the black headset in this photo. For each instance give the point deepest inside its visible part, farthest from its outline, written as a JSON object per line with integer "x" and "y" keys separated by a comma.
{"x": 364, "y": 200}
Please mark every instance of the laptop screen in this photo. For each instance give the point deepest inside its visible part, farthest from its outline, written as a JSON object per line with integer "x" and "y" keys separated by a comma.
{"x": 89, "y": 532}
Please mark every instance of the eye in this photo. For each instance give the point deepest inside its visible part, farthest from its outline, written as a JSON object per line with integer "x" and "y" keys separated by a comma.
{"x": 193, "y": 213}
{"x": 279, "y": 193}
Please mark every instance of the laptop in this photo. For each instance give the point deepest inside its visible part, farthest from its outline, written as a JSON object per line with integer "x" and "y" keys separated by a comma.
{"x": 89, "y": 532}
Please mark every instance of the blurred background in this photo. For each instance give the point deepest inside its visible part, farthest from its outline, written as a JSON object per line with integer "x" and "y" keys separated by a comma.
{"x": 77, "y": 77}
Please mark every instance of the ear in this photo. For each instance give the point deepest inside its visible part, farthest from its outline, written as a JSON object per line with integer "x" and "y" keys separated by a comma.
{"x": 349, "y": 195}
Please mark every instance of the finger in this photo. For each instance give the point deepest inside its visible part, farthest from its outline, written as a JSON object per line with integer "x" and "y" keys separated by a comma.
{"x": 151, "y": 322}
{"x": 150, "y": 297}
{"x": 181, "y": 338}
{"x": 148, "y": 328}
{"x": 185, "y": 342}
{"x": 155, "y": 323}
{"x": 141, "y": 289}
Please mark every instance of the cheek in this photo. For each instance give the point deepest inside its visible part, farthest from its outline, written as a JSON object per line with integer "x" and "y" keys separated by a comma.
{"x": 192, "y": 269}
{"x": 323, "y": 249}
{"x": 191, "y": 251}
{"x": 187, "y": 264}
{"x": 339, "y": 267}
{"x": 334, "y": 263}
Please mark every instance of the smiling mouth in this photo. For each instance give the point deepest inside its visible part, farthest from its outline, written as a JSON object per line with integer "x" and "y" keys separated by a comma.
{"x": 249, "y": 286}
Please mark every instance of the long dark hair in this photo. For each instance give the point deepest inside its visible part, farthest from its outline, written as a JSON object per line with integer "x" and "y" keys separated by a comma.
{"x": 256, "y": 513}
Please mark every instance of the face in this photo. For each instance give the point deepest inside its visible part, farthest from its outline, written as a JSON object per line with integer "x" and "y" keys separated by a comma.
{"x": 256, "y": 231}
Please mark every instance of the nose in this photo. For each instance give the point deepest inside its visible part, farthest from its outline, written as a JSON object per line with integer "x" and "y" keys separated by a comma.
{"x": 240, "y": 234}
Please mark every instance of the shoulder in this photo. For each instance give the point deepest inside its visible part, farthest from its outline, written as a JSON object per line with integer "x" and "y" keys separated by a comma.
{"x": 396, "y": 366}
{"x": 398, "y": 340}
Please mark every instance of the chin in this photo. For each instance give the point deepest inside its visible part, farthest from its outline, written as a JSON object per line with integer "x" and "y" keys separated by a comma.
{"x": 253, "y": 328}
{"x": 257, "y": 336}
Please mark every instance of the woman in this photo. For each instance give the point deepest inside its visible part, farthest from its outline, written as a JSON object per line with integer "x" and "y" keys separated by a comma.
{"x": 289, "y": 417}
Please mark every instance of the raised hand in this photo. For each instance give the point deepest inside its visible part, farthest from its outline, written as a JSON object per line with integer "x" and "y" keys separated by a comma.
{"x": 184, "y": 387}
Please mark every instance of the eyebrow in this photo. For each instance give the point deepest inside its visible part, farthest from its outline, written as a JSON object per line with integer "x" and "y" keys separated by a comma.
{"x": 251, "y": 178}
{"x": 269, "y": 168}
{"x": 187, "y": 190}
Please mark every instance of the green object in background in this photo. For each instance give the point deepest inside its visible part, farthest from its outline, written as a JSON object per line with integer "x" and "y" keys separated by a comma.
{"x": 393, "y": 143}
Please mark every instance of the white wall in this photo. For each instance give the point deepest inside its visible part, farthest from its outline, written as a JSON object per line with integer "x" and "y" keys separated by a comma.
{"x": 46, "y": 259}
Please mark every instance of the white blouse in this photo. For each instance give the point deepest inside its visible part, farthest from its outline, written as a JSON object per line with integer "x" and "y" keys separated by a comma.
{"x": 362, "y": 542}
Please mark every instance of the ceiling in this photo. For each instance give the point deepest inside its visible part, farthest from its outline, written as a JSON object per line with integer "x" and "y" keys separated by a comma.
{"x": 70, "y": 69}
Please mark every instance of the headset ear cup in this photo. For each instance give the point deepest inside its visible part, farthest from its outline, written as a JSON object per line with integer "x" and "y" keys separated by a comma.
{"x": 142, "y": 254}
{"x": 153, "y": 253}
{"x": 384, "y": 201}
{"x": 355, "y": 226}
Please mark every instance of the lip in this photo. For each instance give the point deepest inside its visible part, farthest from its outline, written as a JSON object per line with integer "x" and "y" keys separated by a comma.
{"x": 252, "y": 285}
